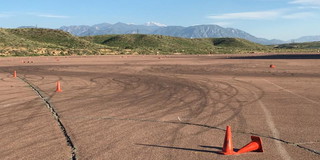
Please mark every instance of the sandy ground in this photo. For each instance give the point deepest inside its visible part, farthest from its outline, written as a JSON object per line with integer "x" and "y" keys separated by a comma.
{"x": 160, "y": 107}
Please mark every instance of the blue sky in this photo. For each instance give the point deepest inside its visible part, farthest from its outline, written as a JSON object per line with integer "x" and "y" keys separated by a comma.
{"x": 280, "y": 19}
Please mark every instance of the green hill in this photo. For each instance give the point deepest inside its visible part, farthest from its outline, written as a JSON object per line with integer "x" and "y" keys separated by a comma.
{"x": 37, "y": 41}
{"x": 34, "y": 41}
{"x": 158, "y": 44}
{"x": 236, "y": 43}
{"x": 8, "y": 39}
{"x": 51, "y": 37}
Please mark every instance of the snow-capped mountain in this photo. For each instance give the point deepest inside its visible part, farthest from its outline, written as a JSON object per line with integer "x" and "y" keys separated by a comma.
{"x": 155, "y": 24}
{"x": 198, "y": 31}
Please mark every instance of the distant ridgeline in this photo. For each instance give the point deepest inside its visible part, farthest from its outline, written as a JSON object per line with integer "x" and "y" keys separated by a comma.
{"x": 198, "y": 31}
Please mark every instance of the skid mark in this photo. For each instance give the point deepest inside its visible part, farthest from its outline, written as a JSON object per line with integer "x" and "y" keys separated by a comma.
{"x": 275, "y": 133}
{"x": 317, "y": 141}
{"x": 310, "y": 100}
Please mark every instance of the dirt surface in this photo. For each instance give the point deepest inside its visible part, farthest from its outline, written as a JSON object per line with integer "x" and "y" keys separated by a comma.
{"x": 160, "y": 107}
{"x": 27, "y": 128}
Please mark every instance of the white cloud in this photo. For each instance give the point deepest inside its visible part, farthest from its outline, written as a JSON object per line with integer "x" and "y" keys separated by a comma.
{"x": 306, "y": 2}
{"x": 248, "y": 15}
{"x": 52, "y": 16}
{"x": 264, "y": 15}
{"x": 300, "y": 15}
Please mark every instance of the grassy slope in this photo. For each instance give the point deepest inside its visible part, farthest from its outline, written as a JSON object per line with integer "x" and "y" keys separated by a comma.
{"x": 8, "y": 39}
{"x": 151, "y": 44}
{"x": 34, "y": 41}
{"x": 52, "y": 38}
{"x": 236, "y": 43}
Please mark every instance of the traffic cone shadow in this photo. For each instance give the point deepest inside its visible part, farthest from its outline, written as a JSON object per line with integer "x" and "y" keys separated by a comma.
{"x": 58, "y": 87}
{"x": 254, "y": 145}
{"x": 227, "y": 145}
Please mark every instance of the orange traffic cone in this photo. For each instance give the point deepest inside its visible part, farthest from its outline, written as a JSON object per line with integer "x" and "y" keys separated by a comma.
{"x": 58, "y": 87}
{"x": 14, "y": 74}
{"x": 272, "y": 66}
{"x": 254, "y": 145}
{"x": 227, "y": 145}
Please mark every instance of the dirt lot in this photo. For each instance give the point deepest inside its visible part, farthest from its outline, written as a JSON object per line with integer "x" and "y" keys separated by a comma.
{"x": 159, "y": 107}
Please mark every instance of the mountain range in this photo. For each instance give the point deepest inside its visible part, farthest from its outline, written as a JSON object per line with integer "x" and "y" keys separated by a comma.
{"x": 307, "y": 39}
{"x": 198, "y": 31}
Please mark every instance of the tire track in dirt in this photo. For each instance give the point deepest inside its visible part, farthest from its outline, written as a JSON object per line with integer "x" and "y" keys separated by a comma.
{"x": 56, "y": 117}
{"x": 45, "y": 99}
{"x": 197, "y": 125}
{"x": 31, "y": 114}
{"x": 256, "y": 98}
{"x": 161, "y": 95}
{"x": 300, "y": 96}
{"x": 153, "y": 92}
{"x": 275, "y": 133}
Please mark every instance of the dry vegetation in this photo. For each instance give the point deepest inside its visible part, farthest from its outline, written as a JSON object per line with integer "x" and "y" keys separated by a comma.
{"x": 47, "y": 42}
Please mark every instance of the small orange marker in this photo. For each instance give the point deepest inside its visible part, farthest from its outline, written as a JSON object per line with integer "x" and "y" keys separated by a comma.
{"x": 58, "y": 87}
